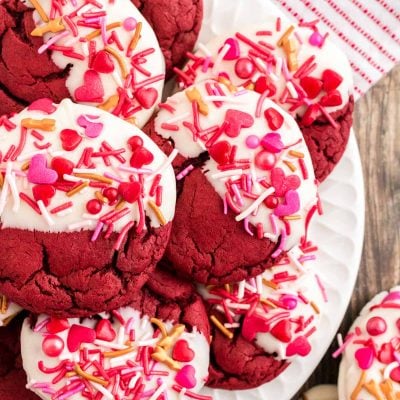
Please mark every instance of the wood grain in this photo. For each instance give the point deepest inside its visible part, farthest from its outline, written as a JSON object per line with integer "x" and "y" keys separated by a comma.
{"x": 377, "y": 126}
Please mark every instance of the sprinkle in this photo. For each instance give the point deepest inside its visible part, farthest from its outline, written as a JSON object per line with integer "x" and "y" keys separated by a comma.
{"x": 185, "y": 172}
{"x": 45, "y": 124}
{"x": 226, "y": 174}
{"x": 158, "y": 392}
{"x": 290, "y": 165}
{"x": 255, "y": 204}
{"x": 121, "y": 62}
{"x": 225, "y": 99}
{"x": 223, "y": 52}
{"x": 61, "y": 207}
{"x": 77, "y": 189}
{"x": 270, "y": 284}
{"x": 89, "y": 377}
{"x": 303, "y": 168}
{"x": 97, "y": 32}
{"x": 80, "y": 225}
{"x": 135, "y": 38}
{"x": 341, "y": 349}
{"x": 40, "y": 10}
{"x": 166, "y": 164}
{"x": 170, "y": 127}
{"x": 10, "y": 178}
{"x": 292, "y": 217}
{"x": 221, "y": 327}
{"x": 285, "y": 36}
{"x": 122, "y": 235}
{"x": 158, "y": 212}
{"x": 45, "y": 213}
{"x": 195, "y": 97}
{"x": 94, "y": 177}
{"x": 113, "y": 354}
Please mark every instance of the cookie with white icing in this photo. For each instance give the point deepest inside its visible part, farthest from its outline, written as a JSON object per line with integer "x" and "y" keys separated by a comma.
{"x": 370, "y": 366}
{"x": 86, "y": 206}
{"x": 295, "y": 65}
{"x": 246, "y": 189}
{"x": 99, "y": 53}
{"x": 271, "y": 319}
{"x": 8, "y": 310}
{"x": 159, "y": 345}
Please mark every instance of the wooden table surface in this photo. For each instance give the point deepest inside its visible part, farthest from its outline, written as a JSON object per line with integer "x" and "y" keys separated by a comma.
{"x": 377, "y": 127}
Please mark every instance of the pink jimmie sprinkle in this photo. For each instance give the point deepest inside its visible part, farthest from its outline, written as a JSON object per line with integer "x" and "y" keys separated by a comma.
{"x": 247, "y": 227}
{"x": 97, "y": 231}
{"x": 53, "y": 40}
{"x": 71, "y": 392}
{"x": 185, "y": 172}
{"x": 272, "y": 220}
{"x": 341, "y": 349}
{"x": 38, "y": 327}
{"x": 322, "y": 288}
{"x": 225, "y": 206}
{"x": 281, "y": 244}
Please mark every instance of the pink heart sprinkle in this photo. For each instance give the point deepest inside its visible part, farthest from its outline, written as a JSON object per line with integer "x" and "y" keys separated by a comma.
{"x": 236, "y": 120}
{"x": 272, "y": 142}
{"x": 92, "y": 129}
{"x": 39, "y": 173}
{"x": 364, "y": 357}
{"x": 291, "y": 205}
{"x": 234, "y": 49}
{"x": 186, "y": 377}
{"x": 44, "y": 105}
{"x": 92, "y": 90}
{"x": 300, "y": 346}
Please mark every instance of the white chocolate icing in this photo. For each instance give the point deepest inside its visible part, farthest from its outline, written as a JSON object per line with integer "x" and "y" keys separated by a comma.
{"x": 116, "y": 11}
{"x": 32, "y": 353}
{"x": 305, "y": 288}
{"x": 10, "y": 310}
{"x": 289, "y": 132}
{"x": 116, "y": 132}
{"x": 329, "y": 56}
{"x": 350, "y": 371}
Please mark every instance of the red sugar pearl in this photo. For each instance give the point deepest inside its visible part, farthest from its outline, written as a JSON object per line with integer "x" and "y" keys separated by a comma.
{"x": 271, "y": 202}
{"x": 265, "y": 160}
{"x": 244, "y": 68}
{"x": 111, "y": 194}
{"x": 135, "y": 142}
{"x": 52, "y": 345}
{"x": 94, "y": 206}
{"x": 376, "y": 326}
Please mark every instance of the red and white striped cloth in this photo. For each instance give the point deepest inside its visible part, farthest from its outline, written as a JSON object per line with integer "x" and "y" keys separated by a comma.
{"x": 367, "y": 30}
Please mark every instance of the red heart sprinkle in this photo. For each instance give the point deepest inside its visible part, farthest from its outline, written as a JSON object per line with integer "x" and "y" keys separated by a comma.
{"x": 79, "y": 334}
{"x": 264, "y": 84}
{"x": 186, "y": 377}
{"x": 331, "y": 80}
{"x": 364, "y": 357}
{"x": 395, "y": 375}
{"x": 134, "y": 142}
{"x": 44, "y": 193}
{"x": 105, "y": 331}
{"x": 62, "y": 166}
{"x": 56, "y": 325}
{"x": 140, "y": 157}
{"x": 312, "y": 86}
{"x": 146, "y": 97}
{"x": 92, "y": 90}
{"x": 332, "y": 99}
{"x": 44, "y": 105}
{"x": 220, "y": 152}
{"x": 236, "y": 120}
{"x": 274, "y": 118}
{"x": 283, "y": 183}
{"x": 70, "y": 139}
{"x": 38, "y": 171}
{"x": 282, "y": 331}
{"x": 252, "y": 325}
{"x": 182, "y": 352}
{"x": 300, "y": 346}
{"x": 312, "y": 113}
{"x": 130, "y": 191}
{"x": 234, "y": 49}
{"x": 385, "y": 354}
{"x": 103, "y": 63}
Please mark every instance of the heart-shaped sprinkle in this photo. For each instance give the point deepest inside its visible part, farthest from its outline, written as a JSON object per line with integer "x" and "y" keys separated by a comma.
{"x": 186, "y": 377}
{"x": 130, "y": 191}
{"x": 376, "y": 326}
{"x": 70, "y": 139}
{"x": 364, "y": 357}
{"x": 92, "y": 129}
{"x": 182, "y": 352}
{"x": 283, "y": 183}
{"x": 291, "y": 205}
{"x": 252, "y": 325}
{"x": 135, "y": 142}
{"x": 62, "y": 166}
{"x": 44, "y": 105}
{"x": 146, "y": 97}
{"x": 311, "y": 114}
{"x": 332, "y": 99}
{"x": 395, "y": 375}
{"x": 272, "y": 142}
{"x": 331, "y": 80}
{"x": 92, "y": 90}
{"x": 79, "y": 334}
{"x": 140, "y": 157}
{"x": 105, "y": 331}
{"x": 386, "y": 353}
{"x": 312, "y": 86}
{"x": 300, "y": 346}
{"x": 392, "y": 296}
{"x": 274, "y": 118}
{"x": 264, "y": 84}
{"x": 56, "y": 325}
{"x": 265, "y": 160}
{"x": 103, "y": 63}
{"x": 44, "y": 193}
{"x": 220, "y": 152}
{"x": 52, "y": 345}
{"x": 39, "y": 173}
{"x": 236, "y": 120}
{"x": 234, "y": 49}
{"x": 282, "y": 331}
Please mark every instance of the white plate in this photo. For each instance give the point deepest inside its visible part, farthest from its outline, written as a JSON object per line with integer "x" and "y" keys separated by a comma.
{"x": 338, "y": 233}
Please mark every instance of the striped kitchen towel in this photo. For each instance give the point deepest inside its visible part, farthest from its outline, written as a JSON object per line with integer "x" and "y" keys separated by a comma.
{"x": 367, "y": 30}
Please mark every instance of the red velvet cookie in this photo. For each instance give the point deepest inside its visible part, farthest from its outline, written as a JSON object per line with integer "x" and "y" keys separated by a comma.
{"x": 102, "y": 55}
{"x": 261, "y": 324}
{"x": 246, "y": 189}
{"x": 177, "y": 25}
{"x": 296, "y": 66}
{"x": 86, "y": 206}
{"x": 159, "y": 344}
